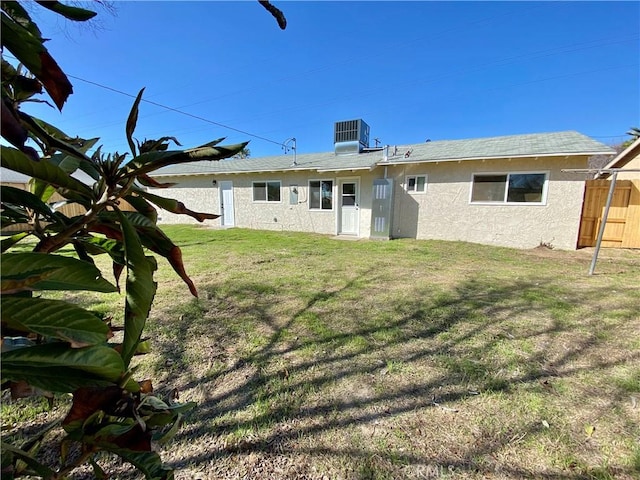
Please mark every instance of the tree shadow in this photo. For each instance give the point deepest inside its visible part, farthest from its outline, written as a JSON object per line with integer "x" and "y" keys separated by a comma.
{"x": 481, "y": 341}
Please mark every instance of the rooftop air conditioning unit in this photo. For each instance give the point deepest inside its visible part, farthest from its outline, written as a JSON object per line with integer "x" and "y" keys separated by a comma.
{"x": 350, "y": 136}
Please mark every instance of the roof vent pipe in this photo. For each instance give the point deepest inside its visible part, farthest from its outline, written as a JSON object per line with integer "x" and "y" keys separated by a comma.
{"x": 386, "y": 153}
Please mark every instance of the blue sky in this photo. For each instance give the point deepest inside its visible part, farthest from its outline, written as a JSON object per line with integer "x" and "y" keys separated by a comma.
{"x": 411, "y": 70}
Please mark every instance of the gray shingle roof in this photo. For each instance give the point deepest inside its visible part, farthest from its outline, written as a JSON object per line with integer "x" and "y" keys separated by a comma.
{"x": 530, "y": 145}
{"x": 9, "y": 176}
{"x": 327, "y": 161}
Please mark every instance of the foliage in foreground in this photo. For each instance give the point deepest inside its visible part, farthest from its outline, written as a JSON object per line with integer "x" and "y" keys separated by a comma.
{"x": 56, "y": 346}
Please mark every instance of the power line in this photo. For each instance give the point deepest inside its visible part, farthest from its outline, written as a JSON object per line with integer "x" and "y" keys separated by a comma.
{"x": 150, "y": 102}
{"x": 197, "y": 117}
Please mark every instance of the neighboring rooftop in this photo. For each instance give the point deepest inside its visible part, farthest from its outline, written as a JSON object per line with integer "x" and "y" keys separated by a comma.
{"x": 624, "y": 157}
{"x": 9, "y": 176}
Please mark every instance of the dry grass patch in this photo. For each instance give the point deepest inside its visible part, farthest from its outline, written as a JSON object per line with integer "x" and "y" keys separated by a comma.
{"x": 312, "y": 358}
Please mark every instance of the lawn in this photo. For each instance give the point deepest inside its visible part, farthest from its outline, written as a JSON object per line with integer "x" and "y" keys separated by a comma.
{"x": 311, "y": 357}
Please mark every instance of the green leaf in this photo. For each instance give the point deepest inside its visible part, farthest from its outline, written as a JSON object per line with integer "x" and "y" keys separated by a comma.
{"x": 13, "y": 214}
{"x": 63, "y": 273}
{"x": 25, "y": 199}
{"x": 60, "y": 141}
{"x": 98, "y": 245}
{"x": 175, "y": 206}
{"x": 132, "y": 120}
{"x": 149, "y": 463}
{"x": 53, "y": 318}
{"x": 140, "y": 289}
{"x": 26, "y": 282}
{"x": 68, "y": 11}
{"x": 164, "y": 437}
{"x": 98, "y": 472}
{"x": 150, "y": 161}
{"x": 143, "y": 207}
{"x": 30, "y": 51}
{"x": 154, "y": 239}
{"x": 41, "y": 189}
{"x": 160, "y": 144}
{"x": 17, "y": 161}
{"x": 37, "y": 467}
{"x": 158, "y": 242}
{"x": 147, "y": 181}
{"x": 59, "y": 368}
{"x": 21, "y": 17}
{"x": 9, "y": 242}
{"x": 137, "y": 219}
{"x": 212, "y": 143}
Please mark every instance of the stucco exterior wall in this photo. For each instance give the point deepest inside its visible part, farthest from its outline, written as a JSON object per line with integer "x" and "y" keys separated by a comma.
{"x": 634, "y": 164}
{"x": 445, "y": 212}
{"x": 198, "y": 193}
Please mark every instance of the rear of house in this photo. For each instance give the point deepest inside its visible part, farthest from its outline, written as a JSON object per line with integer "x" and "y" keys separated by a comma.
{"x": 507, "y": 191}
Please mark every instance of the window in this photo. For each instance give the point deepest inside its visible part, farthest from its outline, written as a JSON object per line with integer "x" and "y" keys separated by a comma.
{"x": 416, "y": 183}
{"x": 266, "y": 191}
{"x": 321, "y": 194}
{"x": 509, "y": 188}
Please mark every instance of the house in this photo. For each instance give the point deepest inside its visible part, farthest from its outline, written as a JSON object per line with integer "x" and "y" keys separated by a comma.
{"x": 507, "y": 191}
{"x": 628, "y": 159}
{"x": 622, "y": 224}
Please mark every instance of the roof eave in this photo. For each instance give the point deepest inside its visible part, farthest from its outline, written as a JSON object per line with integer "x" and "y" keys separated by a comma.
{"x": 494, "y": 157}
{"x": 623, "y": 154}
{"x": 267, "y": 170}
{"x": 347, "y": 169}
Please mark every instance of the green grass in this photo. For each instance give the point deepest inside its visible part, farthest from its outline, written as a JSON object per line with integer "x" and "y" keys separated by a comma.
{"x": 396, "y": 359}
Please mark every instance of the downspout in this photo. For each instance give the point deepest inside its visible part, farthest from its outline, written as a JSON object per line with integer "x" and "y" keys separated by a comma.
{"x": 386, "y": 159}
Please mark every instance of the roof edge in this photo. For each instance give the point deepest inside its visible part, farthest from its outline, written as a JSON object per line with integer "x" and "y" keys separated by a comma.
{"x": 462, "y": 159}
{"x": 624, "y": 153}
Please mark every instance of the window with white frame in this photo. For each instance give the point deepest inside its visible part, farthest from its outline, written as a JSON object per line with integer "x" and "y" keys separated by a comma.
{"x": 266, "y": 191}
{"x": 415, "y": 183}
{"x": 321, "y": 194}
{"x": 509, "y": 188}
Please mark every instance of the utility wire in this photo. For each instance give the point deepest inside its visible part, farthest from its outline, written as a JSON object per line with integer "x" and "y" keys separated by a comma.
{"x": 150, "y": 102}
{"x": 197, "y": 117}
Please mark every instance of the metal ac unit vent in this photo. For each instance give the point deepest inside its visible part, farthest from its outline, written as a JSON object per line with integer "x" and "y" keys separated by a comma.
{"x": 352, "y": 134}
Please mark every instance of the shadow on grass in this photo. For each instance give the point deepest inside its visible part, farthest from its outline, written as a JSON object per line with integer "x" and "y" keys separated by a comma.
{"x": 435, "y": 354}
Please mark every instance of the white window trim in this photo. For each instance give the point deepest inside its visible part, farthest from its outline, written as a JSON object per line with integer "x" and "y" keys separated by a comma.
{"x": 266, "y": 192}
{"x": 545, "y": 187}
{"x": 415, "y": 192}
{"x": 333, "y": 194}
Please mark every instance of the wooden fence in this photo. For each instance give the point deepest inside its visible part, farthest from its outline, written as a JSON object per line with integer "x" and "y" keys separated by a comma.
{"x": 623, "y": 223}
{"x": 70, "y": 210}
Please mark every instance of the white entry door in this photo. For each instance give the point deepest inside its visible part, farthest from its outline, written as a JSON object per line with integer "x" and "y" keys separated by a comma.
{"x": 349, "y": 209}
{"x": 226, "y": 203}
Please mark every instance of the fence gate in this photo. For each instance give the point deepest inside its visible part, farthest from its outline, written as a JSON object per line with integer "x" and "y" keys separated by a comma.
{"x": 623, "y": 223}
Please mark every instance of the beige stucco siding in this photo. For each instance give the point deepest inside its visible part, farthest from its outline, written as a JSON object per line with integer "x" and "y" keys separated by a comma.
{"x": 634, "y": 164}
{"x": 198, "y": 193}
{"x": 445, "y": 212}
